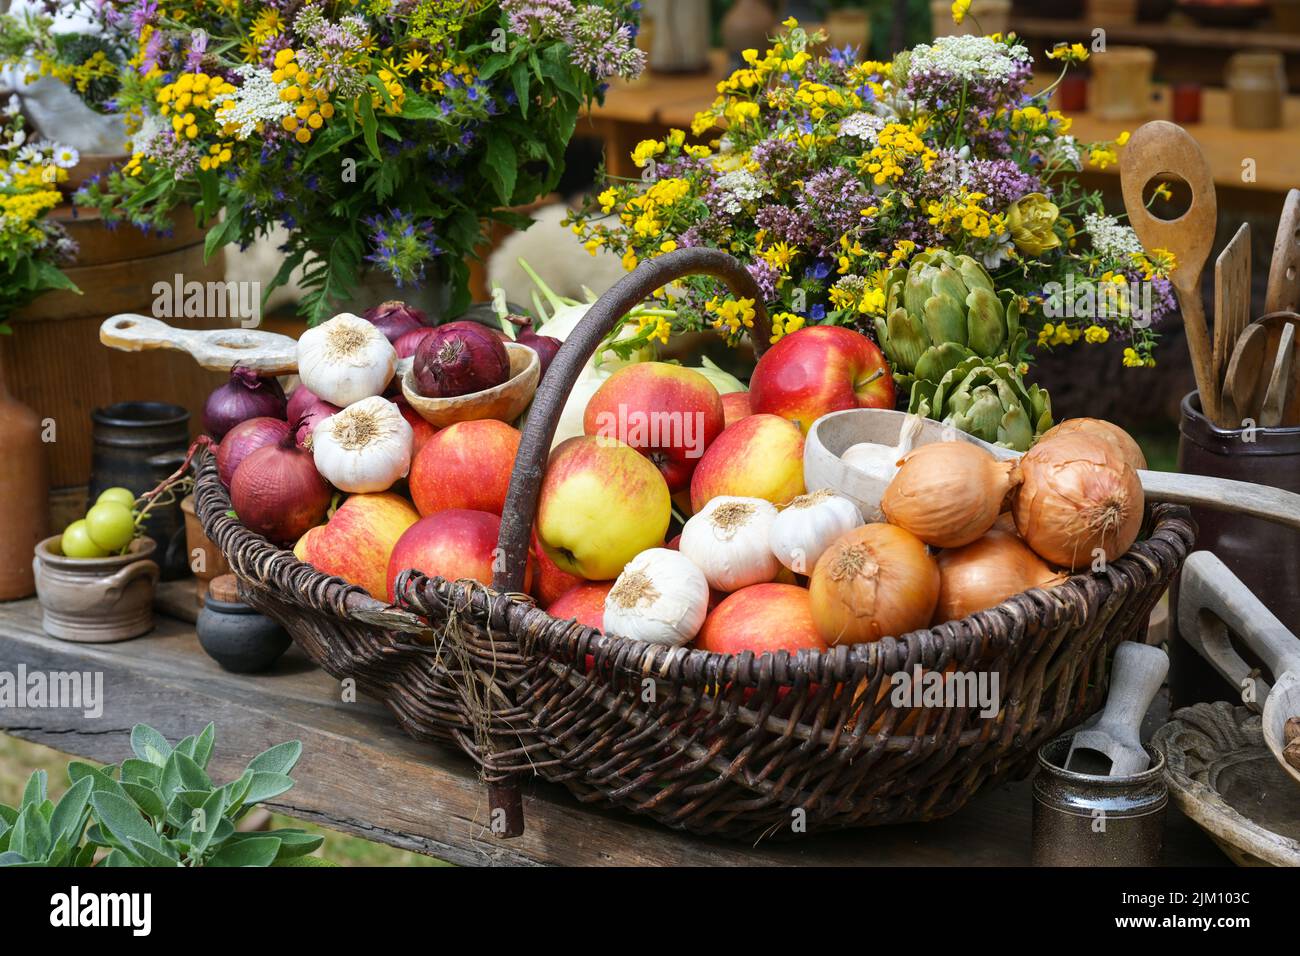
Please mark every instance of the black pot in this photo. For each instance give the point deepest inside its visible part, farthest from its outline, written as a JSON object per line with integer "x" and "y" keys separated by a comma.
{"x": 239, "y": 638}
{"x": 136, "y": 445}
{"x": 1266, "y": 556}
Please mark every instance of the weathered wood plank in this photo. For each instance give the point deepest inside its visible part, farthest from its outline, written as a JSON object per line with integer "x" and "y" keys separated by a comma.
{"x": 360, "y": 774}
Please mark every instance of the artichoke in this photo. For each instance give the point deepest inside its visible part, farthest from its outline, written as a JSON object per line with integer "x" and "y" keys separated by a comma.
{"x": 989, "y": 401}
{"x": 942, "y": 310}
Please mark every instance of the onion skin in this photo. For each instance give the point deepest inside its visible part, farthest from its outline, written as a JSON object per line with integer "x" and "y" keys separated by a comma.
{"x": 986, "y": 572}
{"x": 408, "y": 342}
{"x": 948, "y": 493}
{"x": 1078, "y": 496}
{"x": 875, "y": 581}
{"x": 460, "y": 358}
{"x": 395, "y": 319}
{"x": 1115, "y": 436}
{"x": 246, "y": 395}
{"x": 278, "y": 493}
{"x": 244, "y": 439}
{"x": 305, "y": 410}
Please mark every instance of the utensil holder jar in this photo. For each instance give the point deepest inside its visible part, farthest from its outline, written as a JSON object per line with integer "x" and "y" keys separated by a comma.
{"x": 1265, "y": 555}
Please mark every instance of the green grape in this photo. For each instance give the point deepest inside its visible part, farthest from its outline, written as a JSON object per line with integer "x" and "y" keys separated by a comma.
{"x": 111, "y": 525}
{"x": 122, "y": 496}
{"x": 77, "y": 543}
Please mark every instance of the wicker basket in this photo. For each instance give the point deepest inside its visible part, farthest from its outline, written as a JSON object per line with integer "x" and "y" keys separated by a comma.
{"x": 737, "y": 746}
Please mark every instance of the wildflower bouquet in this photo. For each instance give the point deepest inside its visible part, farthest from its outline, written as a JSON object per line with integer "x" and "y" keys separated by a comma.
{"x": 833, "y": 175}
{"x": 32, "y": 248}
{"x": 380, "y": 133}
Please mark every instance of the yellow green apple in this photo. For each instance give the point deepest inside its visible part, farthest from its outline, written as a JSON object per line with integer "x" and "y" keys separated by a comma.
{"x": 758, "y": 457}
{"x": 356, "y": 543}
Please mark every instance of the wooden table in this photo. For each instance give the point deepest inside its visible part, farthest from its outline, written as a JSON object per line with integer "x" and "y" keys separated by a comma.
{"x": 361, "y": 774}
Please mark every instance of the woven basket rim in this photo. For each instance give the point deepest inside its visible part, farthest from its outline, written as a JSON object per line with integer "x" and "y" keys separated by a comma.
{"x": 339, "y": 598}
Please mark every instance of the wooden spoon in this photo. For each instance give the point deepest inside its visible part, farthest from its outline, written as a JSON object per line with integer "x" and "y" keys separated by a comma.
{"x": 1284, "y": 271}
{"x": 219, "y": 350}
{"x": 1158, "y": 149}
{"x": 1241, "y": 381}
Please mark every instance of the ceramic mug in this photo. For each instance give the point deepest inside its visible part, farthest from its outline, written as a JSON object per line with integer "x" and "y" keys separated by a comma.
{"x": 96, "y": 600}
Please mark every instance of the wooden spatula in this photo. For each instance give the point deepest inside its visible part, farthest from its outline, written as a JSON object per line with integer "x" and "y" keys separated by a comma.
{"x": 1274, "y": 323}
{"x": 1242, "y": 377}
{"x": 1158, "y": 149}
{"x": 1231, "y": 298}
{"x": 1280, "y": 382}
{"x": 219, "y": 350}
{"x": 1284, "y": 271}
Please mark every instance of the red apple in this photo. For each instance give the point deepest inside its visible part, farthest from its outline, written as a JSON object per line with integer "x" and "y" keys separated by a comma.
{"x": 359, "y": 539}
{"x": 551, "y": 580}
{"x": 466, "y": 465}
{"x": 669, "y": 413}
{"x": 453, "y": 544}
{"x": 761, "y": 618}
{"x": 820, "y": 369}
{"x": 758, "y": 457}
{"x": 584, "y": 602}
{"x": 421, "y": 430}
{"x": 735, "y": 406}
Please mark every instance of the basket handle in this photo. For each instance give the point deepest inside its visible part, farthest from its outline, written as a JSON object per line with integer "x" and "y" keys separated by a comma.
{"x": 535, "y": 446}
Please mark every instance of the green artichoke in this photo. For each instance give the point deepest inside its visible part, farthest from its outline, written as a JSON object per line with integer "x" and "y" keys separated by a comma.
{"x": 989, "y": 401}
{"x": 942, "y": 310}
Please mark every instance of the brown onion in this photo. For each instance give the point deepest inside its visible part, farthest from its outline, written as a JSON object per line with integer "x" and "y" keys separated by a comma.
{"x": 986, "y": 572}
{"x": 1119, "y": 439}
{"x": 1078, "y": 495}
{"x": 244, "y": 439}
{"x": 872, "y": 582}
{"x": 278, "y": 493}
{"x": 948, "y": 493}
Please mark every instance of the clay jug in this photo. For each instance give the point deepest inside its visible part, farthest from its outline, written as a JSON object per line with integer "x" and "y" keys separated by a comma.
{"x": 24, "y": 494}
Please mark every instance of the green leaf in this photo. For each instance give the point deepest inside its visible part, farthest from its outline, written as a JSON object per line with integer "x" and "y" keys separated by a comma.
{"x": 203, "y": 747}
{"x": 140, "y": 771}
{"x": 8, "y": 815}
{"x": 31, "y": 835}
{"x": 294, "y": 843}
{"x": 251, "y": 850}
{"x": 519, "y": 79}
{"x": 116, "y": 858}
{"x": 69, "y": 817}
{"x": 153, "y": 856}
{"x": 502, "y": 166}
{"x": 182, "y": 773}
{"x": 210, "y": 812}
{"x": 85, "y": 856}
{"x": 11, "y": 858}
{"x": 123, "y": 821}
{"x": 35, "y": 791}
{"x": 148, "y": 799}
{"x": 149, "y": 745}
{"x": 267, "y": 786}
{"x": 278, "y": 759}
{"x": 225, "y": 232}
{"x": 369, "y": 126}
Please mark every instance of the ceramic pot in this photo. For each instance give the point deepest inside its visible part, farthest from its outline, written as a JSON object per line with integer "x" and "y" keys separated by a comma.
{"x": 681, "y": 40}
{"x": 1083, "y": 819}
{"x": 239, "y": 638}
{"x": 1121, "y": 82}
{"x": 96, "y": 600}
{"x": 1109, "y": 13}
{"x": 1256, "y": 84}
{"x": 206, "y": 559}
{"x": 984, "y": 17}
{"x": 24, "y": 494}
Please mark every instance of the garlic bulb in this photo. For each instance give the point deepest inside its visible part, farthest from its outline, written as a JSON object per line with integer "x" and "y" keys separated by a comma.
{"x": 365, "y": 447}
{"x": 879, "y": 463}
{"x": 345, "y": 360}
{"x": 808, "y": 525}
{"x": 728, "y": 540}
{"x": 660, "y": 597}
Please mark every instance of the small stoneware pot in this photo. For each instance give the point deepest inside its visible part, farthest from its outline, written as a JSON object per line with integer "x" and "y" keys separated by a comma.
{"x": 96, "y": 600}
{"x": 1083, "y": 819}
{"x": 206, "y": 559}
{"x": 242, "y": 640}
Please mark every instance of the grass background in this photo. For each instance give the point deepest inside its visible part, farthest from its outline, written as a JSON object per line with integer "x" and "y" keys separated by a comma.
{"x": 18, "y": 759}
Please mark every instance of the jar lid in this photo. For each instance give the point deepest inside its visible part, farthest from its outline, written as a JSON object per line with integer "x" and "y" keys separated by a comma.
{"x": 224, "y": 588}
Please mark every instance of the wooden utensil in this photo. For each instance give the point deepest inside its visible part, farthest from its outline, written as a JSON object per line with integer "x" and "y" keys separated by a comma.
{"x": 1241, "y": 379}
{"x": 1274, "y": 323}
{"x": 1160, "y": 148}
{"x": 1284, "y": 271}
{"x": 1280, "y": 383}
{"x": 218, "y": 350}
{"x": 1113, "y": 746}
{"x": 1211, "y": 601}
{"x": 1231, "y": 299}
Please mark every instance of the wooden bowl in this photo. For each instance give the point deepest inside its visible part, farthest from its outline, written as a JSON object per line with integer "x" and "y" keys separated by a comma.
{"x": 505, "y": 402}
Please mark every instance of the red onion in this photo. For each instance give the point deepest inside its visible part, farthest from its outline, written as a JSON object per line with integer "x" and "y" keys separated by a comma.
{"x": 544, "y": 345}
{"x": 460, "y": 358}
{"x": 244, "y": 439}
{"x": 395, "y": 319}
{"x": 278, "y": 493}
{"x": 245, "y": 396}
{"x": 305, "y": 409}
{"x": 408, "y": 342}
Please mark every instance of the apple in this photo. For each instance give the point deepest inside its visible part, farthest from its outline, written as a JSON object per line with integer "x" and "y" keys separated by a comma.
{"x": 820, "y": 369}
{"x": 585, "y": 603}
{"x": 758, "y": 457}
{"x": 421, "y": 430}
{"x": 466, "y": 465}
{"x": 669, "y": 413}
{"x": 357, "y": 541}
{"x": 735, "y": 406}
{"x": 452, "y": 544}
{"x": 601, "y": 504}
{"x": 761, "y": 618}
{"x": 550, "y": 581}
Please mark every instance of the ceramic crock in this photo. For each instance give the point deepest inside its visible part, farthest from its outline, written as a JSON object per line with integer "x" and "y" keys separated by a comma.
{"x": 96, "y": 600}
